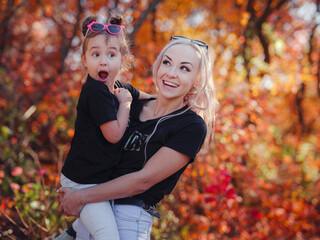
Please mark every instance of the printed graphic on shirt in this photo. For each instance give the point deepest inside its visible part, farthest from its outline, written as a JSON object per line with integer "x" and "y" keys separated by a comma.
{"x": 135, "y": 141}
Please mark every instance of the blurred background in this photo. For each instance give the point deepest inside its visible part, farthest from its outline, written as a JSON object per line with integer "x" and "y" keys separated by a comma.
{"x": 260, "y": 179}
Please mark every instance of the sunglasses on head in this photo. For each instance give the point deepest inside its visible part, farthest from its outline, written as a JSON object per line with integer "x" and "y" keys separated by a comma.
{"x": 197, "y": 42}
{"x": 112, "y": 29}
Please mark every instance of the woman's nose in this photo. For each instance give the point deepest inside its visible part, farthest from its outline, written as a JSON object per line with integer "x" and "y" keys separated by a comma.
{"x": 172, "y": 72}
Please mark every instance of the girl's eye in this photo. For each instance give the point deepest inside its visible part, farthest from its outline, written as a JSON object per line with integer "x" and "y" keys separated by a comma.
{"x": 112, "y": 55}
{"x": 96, "y": 54}
{"x": 184, "y": 68}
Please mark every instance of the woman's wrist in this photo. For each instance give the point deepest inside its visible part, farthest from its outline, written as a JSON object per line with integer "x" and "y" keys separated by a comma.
{"x": 82, "y": 196}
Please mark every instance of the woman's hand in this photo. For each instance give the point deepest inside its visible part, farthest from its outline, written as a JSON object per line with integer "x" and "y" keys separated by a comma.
{"x": 70, "y": 202}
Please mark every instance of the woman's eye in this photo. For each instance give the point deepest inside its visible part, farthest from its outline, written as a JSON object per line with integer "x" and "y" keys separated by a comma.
{"x": 166, "y": 62}
{"x": 96, "y": 54}
{"x": 112, "y": 55}
{"x": 184, "y": 68}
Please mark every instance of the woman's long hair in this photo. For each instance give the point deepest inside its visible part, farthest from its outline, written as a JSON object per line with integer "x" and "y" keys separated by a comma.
{"x": 202, "y": 96}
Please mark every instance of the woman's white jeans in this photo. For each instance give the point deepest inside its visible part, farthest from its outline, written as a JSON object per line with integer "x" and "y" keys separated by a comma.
{"x": 98, "y": 218}
{"x": 133, "y": 222}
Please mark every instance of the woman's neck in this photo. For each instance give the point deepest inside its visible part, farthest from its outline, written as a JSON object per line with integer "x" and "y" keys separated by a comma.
{"x": 158, "y": 108}
{"x": 162, "y": 107}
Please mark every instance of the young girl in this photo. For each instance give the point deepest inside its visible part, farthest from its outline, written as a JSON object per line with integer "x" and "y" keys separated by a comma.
{"x": 102, "y": 118}
{"x": 163, "y": 137}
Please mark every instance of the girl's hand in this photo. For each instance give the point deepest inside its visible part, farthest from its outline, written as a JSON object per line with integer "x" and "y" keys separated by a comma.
{"x": 70, "y": 202}
{"x": 61, "y": 193}
{"x": 123, "y": 95}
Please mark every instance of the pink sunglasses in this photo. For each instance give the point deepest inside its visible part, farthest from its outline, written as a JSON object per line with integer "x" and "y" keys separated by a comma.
{"x": 112, "y": 29}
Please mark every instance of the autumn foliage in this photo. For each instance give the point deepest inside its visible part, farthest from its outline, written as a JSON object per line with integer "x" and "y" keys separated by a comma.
{"x": 260, "y": 179}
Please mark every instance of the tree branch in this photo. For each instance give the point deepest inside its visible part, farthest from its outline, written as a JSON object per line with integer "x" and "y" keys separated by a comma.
{"x": 311, "y": 49}
{"x": 247, "y": 34}
{"x": 65, "y": 47}
{"x": 318, "y": 76}
{"x": 65, "y": 42}
{"x": 143, "y": 17}
{"x": 258, "y": 22}
{"x": 268, "y": 11}
{"x": 264, "y": 43}
{"x": 299, "y": 99}
{"x": 4, "y": 25}
{"x": 318, "y": 73}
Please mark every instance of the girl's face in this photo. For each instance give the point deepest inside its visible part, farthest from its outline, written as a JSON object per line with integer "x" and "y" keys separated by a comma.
{"x": 103, "y": 59}
{"x": 178, "y": 71}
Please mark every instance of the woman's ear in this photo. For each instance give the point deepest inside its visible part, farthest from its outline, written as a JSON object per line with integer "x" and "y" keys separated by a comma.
{"x": 195, "y": 86}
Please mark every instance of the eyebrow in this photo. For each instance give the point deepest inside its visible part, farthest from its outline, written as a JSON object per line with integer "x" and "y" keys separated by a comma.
{"x": 168, "y": 57}
{"x": 181, "y": 62}
{"x": 115, "y": 48}
{"x": 187, "y": 63}
{"x": 96, "y": 47}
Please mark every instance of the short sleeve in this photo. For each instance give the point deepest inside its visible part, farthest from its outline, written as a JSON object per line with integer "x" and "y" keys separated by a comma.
{"x": 101, "y": 107}
{"x": 134, "y": 92}
{"x": 189, "y": 139}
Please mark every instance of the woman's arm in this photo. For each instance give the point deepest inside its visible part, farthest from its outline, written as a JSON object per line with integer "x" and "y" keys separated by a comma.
{"x": 162, "y": 165}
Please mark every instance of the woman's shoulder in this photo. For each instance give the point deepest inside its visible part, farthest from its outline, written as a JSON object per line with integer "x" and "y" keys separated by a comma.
{"x": 193, "y": 117}
{"x": 188, "y": 121}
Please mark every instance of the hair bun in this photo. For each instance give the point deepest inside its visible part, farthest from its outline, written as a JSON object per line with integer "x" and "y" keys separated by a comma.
{"x": 116, "y": 19}
{"x": 86, "y": 22}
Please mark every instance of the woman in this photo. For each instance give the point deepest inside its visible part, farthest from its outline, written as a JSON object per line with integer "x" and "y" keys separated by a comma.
{"x": 163, "y": 137}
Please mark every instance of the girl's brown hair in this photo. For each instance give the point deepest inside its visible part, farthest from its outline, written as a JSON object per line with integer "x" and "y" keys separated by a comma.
{"x": 112, "y": 17}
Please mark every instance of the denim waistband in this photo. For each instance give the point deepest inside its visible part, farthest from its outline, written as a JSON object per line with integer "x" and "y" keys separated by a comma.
{"x": 138, "y": 202}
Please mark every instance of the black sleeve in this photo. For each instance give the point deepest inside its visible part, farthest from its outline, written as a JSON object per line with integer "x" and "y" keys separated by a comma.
{"x": 101, "y": 107}
{"x": 134, "y": 92}
{"x": 189, "y": 139}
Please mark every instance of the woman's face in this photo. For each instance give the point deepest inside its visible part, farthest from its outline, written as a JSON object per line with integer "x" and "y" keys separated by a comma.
{"x": 178, "y": 71}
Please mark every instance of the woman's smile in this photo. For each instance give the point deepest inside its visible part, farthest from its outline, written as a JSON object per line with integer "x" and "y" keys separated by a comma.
{"x": 170, "y": 84}
{"x": 178, "y": 72}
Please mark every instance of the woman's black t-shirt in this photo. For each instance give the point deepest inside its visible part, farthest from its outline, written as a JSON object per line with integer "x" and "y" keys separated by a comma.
{"x": 91, "y": 156}
{"x": 184, "y": 133}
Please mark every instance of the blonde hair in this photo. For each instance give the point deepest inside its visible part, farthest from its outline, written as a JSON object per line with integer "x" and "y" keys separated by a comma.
{"x": 113, "y": 17}
{"x": 202, "y": 97}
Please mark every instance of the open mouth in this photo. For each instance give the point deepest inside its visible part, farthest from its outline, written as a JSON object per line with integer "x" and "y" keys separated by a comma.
{"x": 170, "y": 84}
{"x": 103, "y": 76}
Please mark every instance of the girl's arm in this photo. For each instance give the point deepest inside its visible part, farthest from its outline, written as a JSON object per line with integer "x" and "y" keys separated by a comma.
{"x": 144, "y": 95}
{"x": 136, "y": 94}
{"x": 114, "y": 130}
{"x": 158, "y": 168}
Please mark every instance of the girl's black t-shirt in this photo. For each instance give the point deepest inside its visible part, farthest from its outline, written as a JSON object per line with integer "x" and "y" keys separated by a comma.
{"x": 91, "y": 157}
{"x": 184, "y": 133}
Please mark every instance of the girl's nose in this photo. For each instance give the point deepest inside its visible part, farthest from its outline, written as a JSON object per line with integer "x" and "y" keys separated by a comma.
{"x": 104, "y": 60}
